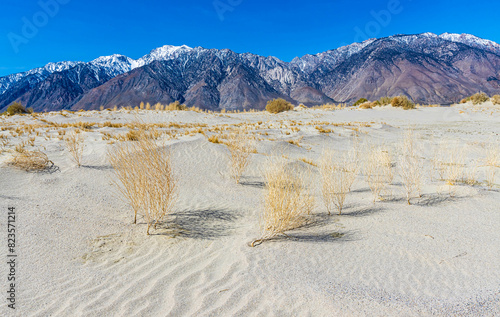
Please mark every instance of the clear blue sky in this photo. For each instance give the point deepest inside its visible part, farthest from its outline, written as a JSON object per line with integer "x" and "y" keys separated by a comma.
{"x": 81, "y": 30}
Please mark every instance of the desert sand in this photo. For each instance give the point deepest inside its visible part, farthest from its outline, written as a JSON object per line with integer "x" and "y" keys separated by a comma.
{"x": 80, "y": 255}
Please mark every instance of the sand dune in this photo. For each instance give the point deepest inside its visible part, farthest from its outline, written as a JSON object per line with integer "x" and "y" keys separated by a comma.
{"x": 80, "y": 254}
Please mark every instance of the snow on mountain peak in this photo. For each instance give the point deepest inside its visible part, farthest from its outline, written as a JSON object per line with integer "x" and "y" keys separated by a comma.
{"x": 165, "y": 52}
{"x": 473, "y": 41}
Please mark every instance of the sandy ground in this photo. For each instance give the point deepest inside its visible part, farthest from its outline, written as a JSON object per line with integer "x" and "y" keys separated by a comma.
{"x": 79, "y": 254}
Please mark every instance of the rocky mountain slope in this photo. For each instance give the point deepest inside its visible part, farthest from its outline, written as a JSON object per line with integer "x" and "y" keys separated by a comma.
{"x": 428, "y": 68}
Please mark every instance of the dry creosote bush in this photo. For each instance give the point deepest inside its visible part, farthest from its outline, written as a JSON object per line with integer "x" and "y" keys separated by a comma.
{"x": 31, "y": 160}
{"x": 410, "y": 166}
{"x": 145, "y": 178}
{"x": 287, "y": 200}
{"x": 378, "y": 170}
{"x": 240, "y": 147}
{"x": 337, "y": 176}
{"x": 75, "y": 144}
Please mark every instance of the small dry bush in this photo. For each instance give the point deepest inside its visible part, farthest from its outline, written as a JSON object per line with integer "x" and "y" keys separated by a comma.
{"x": 133, "y": 135}
{"x": 287, "y": 200}
{"x": 378, "y": 169}
{"x": 4, "y": 142}
{"x": 385, "y": 101}
{"x": 145, "y": 178}
{"x": 402, "y": 102}
{"x": 240, "y": 147}
{"x": 479, "y": 98}
{"x": 410, "y": 166}
{"x": 337, "y": 177}
{"x": 450, "y": 163}
{"x": 16, "y": 108}
{"x": 360, "y": 101}
{"x": 495, "y": 99}
{"x": 492, "y": 162}
{"x": 31, "y": 160}
{"x": 176, "y": 105}
{"x": 367, "y": 105}
{"x": 278, "y": 105}
{"x": 75, "y": 144}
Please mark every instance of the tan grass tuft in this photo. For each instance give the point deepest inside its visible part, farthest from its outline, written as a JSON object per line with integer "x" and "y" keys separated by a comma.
{"x": 378, "y": 170}
{"x": 145, "y": 178}
{"x": 31, "y": 160}
{"x": 287, "y": 200}
{"x": 75, "y": 143}
{"x": 410, "y": 166}
{"x": 240, "y": 148}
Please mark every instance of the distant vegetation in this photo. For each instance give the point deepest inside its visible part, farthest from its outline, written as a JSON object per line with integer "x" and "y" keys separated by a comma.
{"x": 399, "y": 101}
{"x": 495, "y": 99}
{"x": 402, "y": 102}
{"x": 476, "y": 99}
{"x": 360, "y": 101}
{"x": 17, "y": 108}
{"x": 278, "y": 105}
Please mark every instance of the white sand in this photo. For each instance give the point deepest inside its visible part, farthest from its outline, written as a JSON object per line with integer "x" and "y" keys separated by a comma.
{"x": 79, "y": 254}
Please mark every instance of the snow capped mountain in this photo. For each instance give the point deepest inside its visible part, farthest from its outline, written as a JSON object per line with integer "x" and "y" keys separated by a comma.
{"x": 36, "y": 74}
{"x": 116, "y": 64}
{"x": 452, "y": 65}
{"x": 473, "y": 41}
{"x": 308, "y": 63}
{"x": 165, "y": 52}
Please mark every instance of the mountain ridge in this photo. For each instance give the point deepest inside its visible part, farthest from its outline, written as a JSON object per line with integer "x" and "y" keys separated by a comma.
{"x": 426, "y": 67}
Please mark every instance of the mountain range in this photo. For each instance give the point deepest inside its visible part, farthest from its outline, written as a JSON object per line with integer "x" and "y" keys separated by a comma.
{"x": 426, "y": 67}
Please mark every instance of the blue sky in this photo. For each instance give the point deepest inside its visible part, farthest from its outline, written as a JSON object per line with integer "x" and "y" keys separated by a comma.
{"x": 33, "y": 33}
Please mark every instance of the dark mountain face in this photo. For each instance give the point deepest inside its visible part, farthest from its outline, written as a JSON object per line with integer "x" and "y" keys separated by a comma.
{"x": 426, "y": 67}
{"x": 426, "y": 71}
{"x": 209, "y": 81}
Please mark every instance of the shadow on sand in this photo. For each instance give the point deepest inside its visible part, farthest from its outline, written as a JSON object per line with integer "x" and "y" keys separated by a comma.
{"x": 208, "y": 224}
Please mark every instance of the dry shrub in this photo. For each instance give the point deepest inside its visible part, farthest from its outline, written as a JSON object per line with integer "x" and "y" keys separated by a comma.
{"x": 31, "y": 160}
{"x": 278, "y": 105}
{"x": 337, "y": 177}
{"x": 378, "y": 170}
{"x": 133, "y": 135}
{"x": 287, "y": 200}
{"x": 366, "y": 105}
{"x": 385, "y": 101}
{"x": 145, "y": 178}
{"x": 360, "y": 102}
{"x": 495, "y": 99}
{"x": 17, "y": 108}
{"x": 176, "y": 105}
{"x": 402, "y": 102}
{"x": 410, "y": 166}
{"x": 492, "y": 162}
{"x": 4, "y": 141}
{"x": 240, "y": 148}
{"x": 479, "y": 98}
{"x": 450, "y": 163}
{"x": 75, "y": 143}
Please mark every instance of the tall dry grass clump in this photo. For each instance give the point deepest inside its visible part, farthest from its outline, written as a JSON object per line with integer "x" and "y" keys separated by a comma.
{"x": 240, "y": 147}
{"x": 410, "y": 166}
{"x": 31, "y": 160}
{"x": 495, "y": 99}
{"x": 337, "y": 176}
{"x": 378, "y": 169}
{"x": 287, "y": 200}
{"x": 449, "y": 160}
{"x": 4, "y": 142}
{"x": 145, "y": 178}
{"x": 176, "y": 105}
{"x": 75, "y": 144}
{"x": 492, "y": 162}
